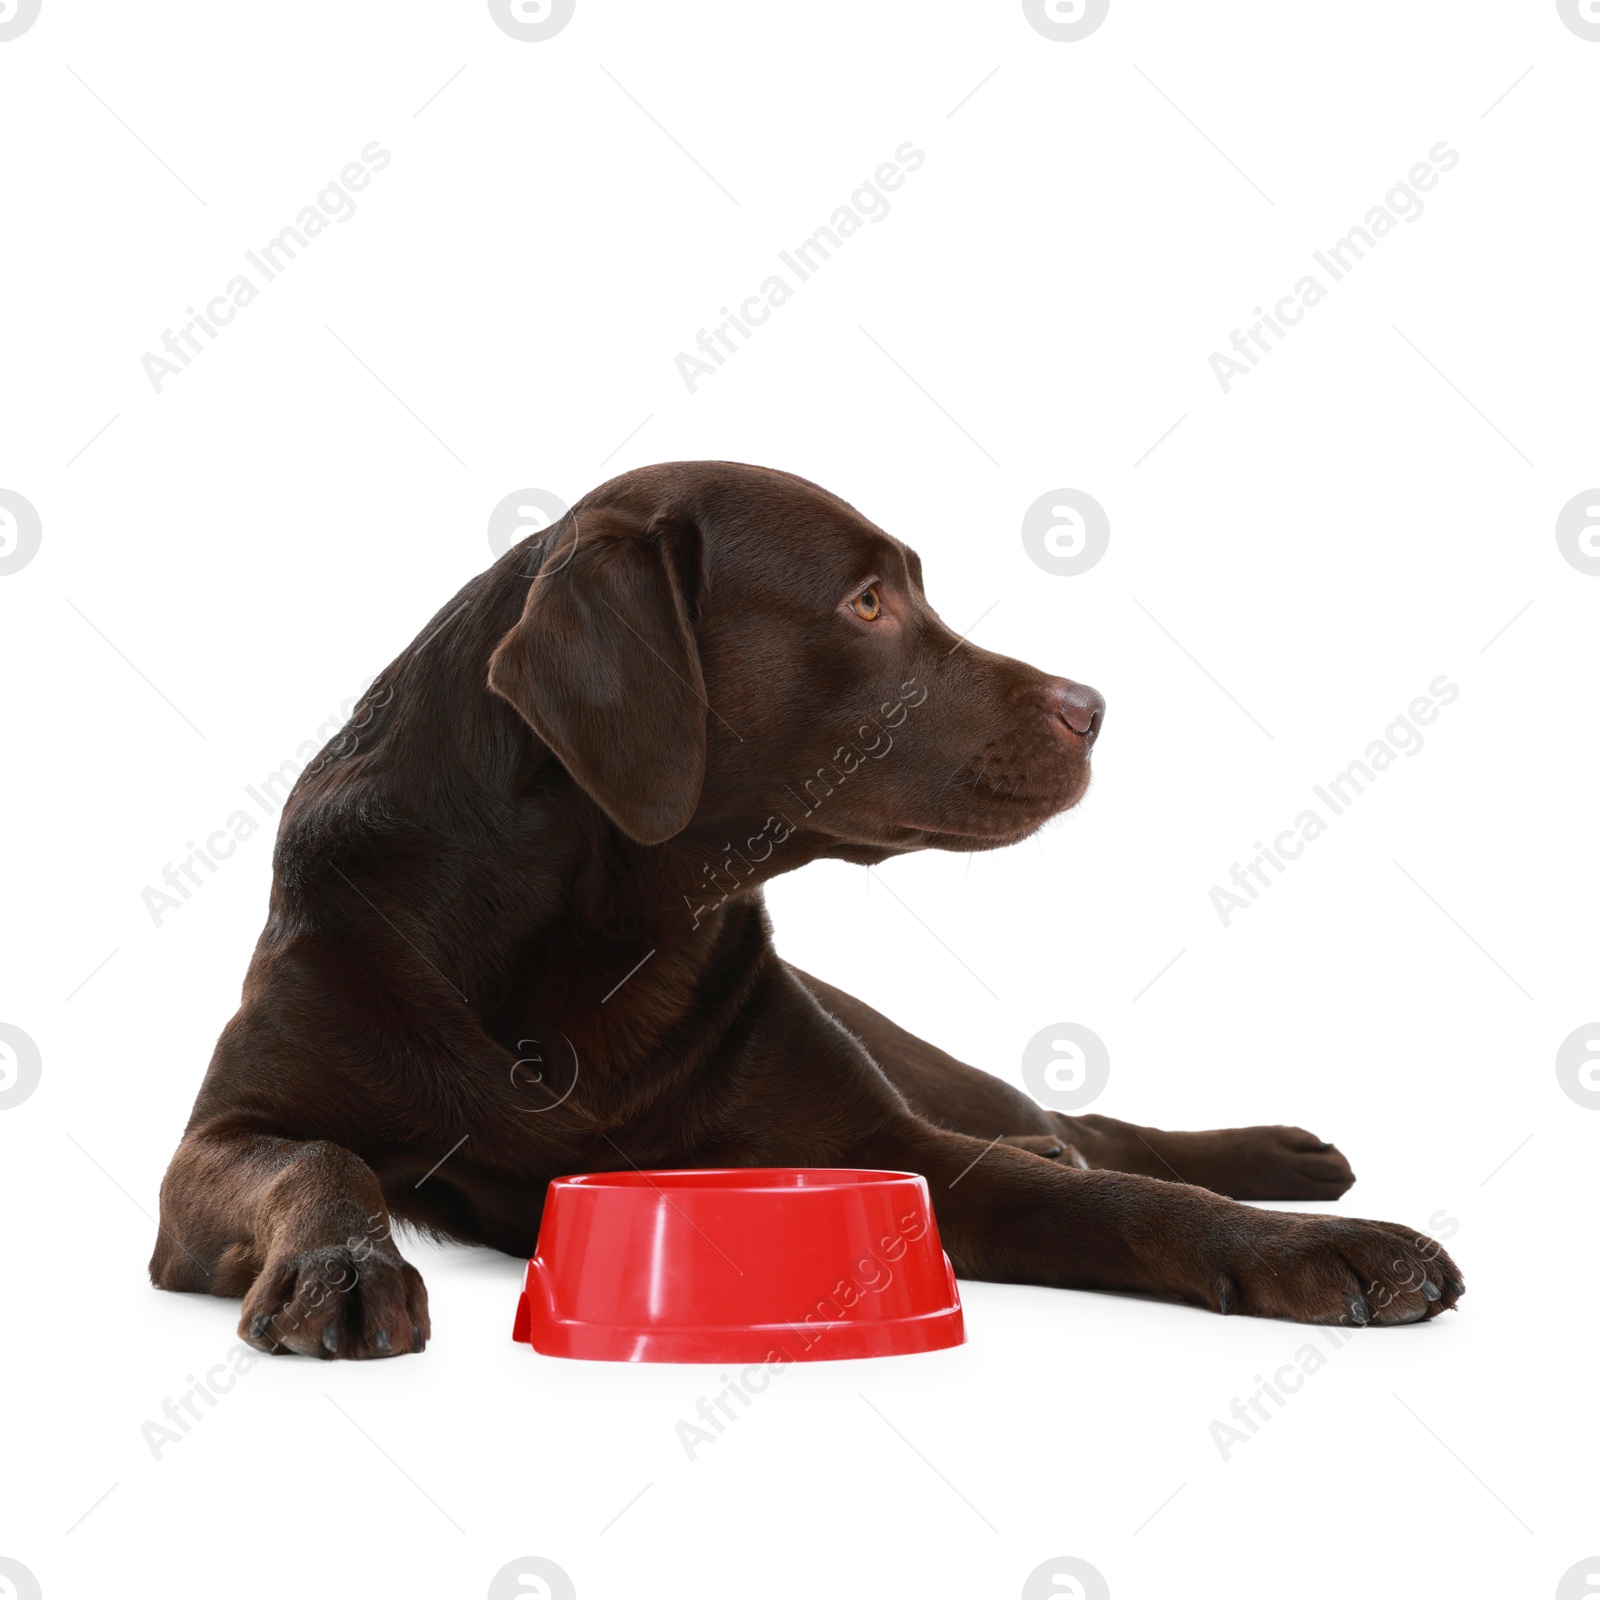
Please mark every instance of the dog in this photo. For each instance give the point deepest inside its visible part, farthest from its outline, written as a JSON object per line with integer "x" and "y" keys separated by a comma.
{"x": 516, "y": 931}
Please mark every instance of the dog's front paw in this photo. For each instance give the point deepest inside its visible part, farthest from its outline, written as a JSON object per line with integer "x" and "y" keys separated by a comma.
{"x": 1332, "y": 1270}
{"x": 337, "y": 1303}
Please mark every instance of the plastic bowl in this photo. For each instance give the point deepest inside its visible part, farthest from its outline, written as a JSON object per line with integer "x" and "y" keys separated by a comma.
{"x": 744, "y": 1264}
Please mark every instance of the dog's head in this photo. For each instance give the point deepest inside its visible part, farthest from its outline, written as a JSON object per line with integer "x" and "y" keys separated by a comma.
{"x": 734, "y": 651}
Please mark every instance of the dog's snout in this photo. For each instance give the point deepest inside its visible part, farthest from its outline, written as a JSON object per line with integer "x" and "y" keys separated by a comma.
{"x": 1078, "y": 707}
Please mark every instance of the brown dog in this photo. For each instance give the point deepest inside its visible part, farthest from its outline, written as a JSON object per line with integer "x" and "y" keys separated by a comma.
{"x": 517, "y": 931}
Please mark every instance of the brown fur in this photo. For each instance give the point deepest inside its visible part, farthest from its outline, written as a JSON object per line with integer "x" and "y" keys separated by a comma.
{"x": 517, "y": 931}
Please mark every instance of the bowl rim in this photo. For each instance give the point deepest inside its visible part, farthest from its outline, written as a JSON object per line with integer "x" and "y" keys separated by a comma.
{"x": 664, "y": 1179}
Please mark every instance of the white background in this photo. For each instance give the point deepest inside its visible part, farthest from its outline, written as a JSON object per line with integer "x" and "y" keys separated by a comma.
{"x": 232, "y": 558}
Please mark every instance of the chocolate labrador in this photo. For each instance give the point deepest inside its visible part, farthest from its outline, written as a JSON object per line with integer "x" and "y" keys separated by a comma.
{"x": 516, "y": 930}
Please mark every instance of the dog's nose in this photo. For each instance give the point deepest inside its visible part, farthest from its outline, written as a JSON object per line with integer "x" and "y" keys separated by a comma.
{"x": 1078, "y": 707}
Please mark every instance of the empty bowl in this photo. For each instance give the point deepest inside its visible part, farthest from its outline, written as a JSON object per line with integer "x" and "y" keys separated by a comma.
{"x": 746, "y": 1264}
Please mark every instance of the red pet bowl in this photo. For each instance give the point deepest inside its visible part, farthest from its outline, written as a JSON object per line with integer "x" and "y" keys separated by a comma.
{"x": 740, "y": 1264}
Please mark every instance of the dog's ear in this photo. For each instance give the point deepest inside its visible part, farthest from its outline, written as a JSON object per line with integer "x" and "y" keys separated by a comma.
{"x": 603, "y": 665}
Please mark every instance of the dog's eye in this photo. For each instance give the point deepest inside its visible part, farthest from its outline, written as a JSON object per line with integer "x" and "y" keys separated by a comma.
{"x": 867, "y": 605}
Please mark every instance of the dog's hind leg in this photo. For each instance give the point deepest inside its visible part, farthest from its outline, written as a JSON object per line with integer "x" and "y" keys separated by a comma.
{"x": 809, "y": 1095}
{"x": 937, "y": 1086}
{"x": 1266, "y": 1163}
{"x": 1048, "y": 1145}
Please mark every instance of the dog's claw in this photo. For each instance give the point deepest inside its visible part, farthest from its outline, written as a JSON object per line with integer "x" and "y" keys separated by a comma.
{"x": 259, "y": 1326}
{"x": 330, "y": 1340}
{"x": 382, "y": 1339}
{"x": 1360, "y": 1311}
{"x": 416, "y": 1339}
{"x": 1430, "y": 1290}
{"x": 1455, "y": 1286}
